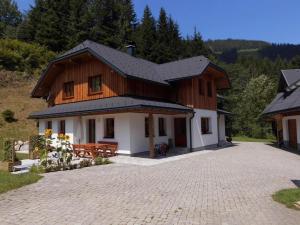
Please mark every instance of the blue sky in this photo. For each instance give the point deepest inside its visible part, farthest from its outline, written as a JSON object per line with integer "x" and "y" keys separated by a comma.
{"x": 270, "y": 20}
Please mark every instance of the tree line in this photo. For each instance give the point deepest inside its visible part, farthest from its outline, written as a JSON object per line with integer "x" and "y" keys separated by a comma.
{"x": 61, "y": 25}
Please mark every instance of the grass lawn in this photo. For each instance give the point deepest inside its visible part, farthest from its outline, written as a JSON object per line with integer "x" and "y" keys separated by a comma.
{"x": 288, "y": 197}
{"x": 9, "y": 181}
{"x": 249, "y": 139}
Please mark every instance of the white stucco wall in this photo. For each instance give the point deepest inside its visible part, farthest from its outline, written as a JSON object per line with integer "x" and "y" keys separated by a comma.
{"x": 129, "y": 130}
{"x": 199, "y": 139}
{"x": 138, "y": 141}
{"x": 222, "y": 135}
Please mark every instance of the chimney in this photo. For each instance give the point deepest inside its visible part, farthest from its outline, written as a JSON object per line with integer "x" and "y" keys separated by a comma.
{"x": 130, "y": 50}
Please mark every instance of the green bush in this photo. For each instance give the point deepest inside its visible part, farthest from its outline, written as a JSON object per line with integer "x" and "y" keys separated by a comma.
{"x": 16, "y": 55}
{"x": 37, "y": 169}
{"x": 8, "y": 116}
{"x": 106, "y": 161}
{"x": 98, "y": 161}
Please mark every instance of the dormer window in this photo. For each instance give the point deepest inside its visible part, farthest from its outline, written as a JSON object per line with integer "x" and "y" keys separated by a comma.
{"x": 95, "y": 84}
{"x": 68, "y": 89}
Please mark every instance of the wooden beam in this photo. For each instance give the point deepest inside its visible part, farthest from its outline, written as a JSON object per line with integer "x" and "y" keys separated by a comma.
{"x": 151, "y": 136}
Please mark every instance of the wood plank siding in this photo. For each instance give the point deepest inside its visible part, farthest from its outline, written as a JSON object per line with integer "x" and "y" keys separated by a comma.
{"x": 113, "y": 84}
{"x": 150, "y": 89}
{"x": 189, "y": 93}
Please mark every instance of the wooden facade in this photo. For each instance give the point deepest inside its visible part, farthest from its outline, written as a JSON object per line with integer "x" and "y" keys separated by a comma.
{"x": 189, "y": 93}
{"x": 112, "y": 83}
{"x": 186, "y": 91}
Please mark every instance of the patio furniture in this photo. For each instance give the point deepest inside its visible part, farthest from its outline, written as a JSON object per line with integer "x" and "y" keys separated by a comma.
{"x": 103, "y": 149}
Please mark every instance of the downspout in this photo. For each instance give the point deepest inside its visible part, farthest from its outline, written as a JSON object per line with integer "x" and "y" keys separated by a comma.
{"x": 218, "y": 120}
{"x": 191, "y": 139}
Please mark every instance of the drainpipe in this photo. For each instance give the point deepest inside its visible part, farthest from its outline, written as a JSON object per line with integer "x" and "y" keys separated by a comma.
{"x": 218, "y": 120}
{"x": 191, "y": 139}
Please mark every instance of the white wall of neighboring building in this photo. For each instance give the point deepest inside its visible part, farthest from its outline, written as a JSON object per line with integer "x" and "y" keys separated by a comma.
{"x": 222, "y": 135}
{"x": 198, "y": 139}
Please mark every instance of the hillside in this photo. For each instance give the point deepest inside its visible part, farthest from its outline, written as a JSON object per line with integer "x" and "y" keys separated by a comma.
{"x": 219, "y": 46}
{"x": 16, "y": 97}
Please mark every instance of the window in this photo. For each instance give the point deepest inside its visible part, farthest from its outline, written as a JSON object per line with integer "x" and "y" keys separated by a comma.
{"x": 62, "y": 127}
{"x": 68, "y": 90}
{"x": 109, "y": 128}
{"x": 161, "y": 127}
{"x": 209, "y": 89}
{"x": 201, "y": 87}
{"x": 49, "y": 125}
{"x": 95, "y": 85}
{"x": 205, "y": 125}
{"x": 92, "y": 131}
{"x": 146, "y": 127}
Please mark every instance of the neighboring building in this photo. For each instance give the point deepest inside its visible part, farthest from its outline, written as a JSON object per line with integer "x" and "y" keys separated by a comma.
{"x": 97, "y": 93}
{"x": 284, "y": 110}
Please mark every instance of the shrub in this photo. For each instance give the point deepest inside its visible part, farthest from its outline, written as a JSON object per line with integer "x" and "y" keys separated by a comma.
{"x": 106, "y": 161}
{"x": 37, "y": 169}
{"x": 8, "y": 116}
{"x": 17, "y": 55}
{"x": 98, "y": 161}
{"x": 85, "y": 163}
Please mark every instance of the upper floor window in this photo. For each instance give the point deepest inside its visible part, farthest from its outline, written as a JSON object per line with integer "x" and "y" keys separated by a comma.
{"x": 49, "y": 125}
{"x": 205, "y": 125}
{"x": 68, "y": 91}
{"x": 95, "y": 83}
{"x": 62, "y": 127}
{"x": 161, "y": 127}
{"x": 109, "y": 130}
{"x": 201, "y": 87}
{"x": 209, "y": 88}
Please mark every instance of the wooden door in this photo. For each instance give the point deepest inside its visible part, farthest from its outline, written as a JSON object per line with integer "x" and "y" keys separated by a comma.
{"x": 180, "y": 132}
{"x": 292, "y": 133}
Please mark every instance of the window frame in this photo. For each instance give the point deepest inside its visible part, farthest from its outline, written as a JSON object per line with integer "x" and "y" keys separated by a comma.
{"x": 65, "y": 91}
{"x": 62, "y": 127}
{"x": 146, "y": 126}
{"x": 49, "y": 122}
{"x": 162, "y": 125}
{"x": 207, "y": 125}
{"x": 209, "y": 89}
{"x": 90, "y": 84}
{"x": 92, "y": 132}
{"x": 106, "y": 127}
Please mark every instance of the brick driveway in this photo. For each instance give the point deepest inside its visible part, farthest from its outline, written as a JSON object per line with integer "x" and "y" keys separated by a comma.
{"x": 231, "y": 186}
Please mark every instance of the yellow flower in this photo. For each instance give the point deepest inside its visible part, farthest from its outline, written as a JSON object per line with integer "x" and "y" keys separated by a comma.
{"x": 48, "y": 133}
{"x": 36, "y": 149}
{"x": 67, "y": 137}
{"x": 61, "y": 136}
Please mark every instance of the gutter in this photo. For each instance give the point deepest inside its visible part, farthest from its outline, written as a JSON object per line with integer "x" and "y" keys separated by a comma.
{"x": 191, "y": 139}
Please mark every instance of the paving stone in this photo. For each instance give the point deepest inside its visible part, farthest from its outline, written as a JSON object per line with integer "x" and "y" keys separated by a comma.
{"x": 232, "y": 186}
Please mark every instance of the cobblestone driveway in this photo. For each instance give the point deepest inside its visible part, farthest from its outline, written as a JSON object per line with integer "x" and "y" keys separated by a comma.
{"x": 232, "y": 186}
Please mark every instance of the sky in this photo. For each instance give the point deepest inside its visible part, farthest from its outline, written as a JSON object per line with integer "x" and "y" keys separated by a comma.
{"x": 274, "y": 21}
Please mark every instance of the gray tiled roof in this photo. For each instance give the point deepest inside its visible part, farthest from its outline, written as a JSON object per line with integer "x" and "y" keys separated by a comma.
{"x": 284, "y": 101}
{"x": 291, "y": 76}
{"x": 104, "y": 105}
{"x": 140, "y": 68}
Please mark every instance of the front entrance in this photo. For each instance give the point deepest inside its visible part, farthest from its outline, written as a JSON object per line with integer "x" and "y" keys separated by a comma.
{"x": 292, "y": 133}
{"x": 180, "y": 132}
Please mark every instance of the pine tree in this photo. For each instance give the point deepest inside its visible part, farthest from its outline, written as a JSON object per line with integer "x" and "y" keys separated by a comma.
{"x": 125, "y": 23}
{"x": 145, "y": 36}
{"x": 10, "y": 18}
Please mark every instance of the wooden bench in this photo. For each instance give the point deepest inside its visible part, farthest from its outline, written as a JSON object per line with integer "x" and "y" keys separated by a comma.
{"x": 108, "y": 148}
{"x": 103, "y": 149}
